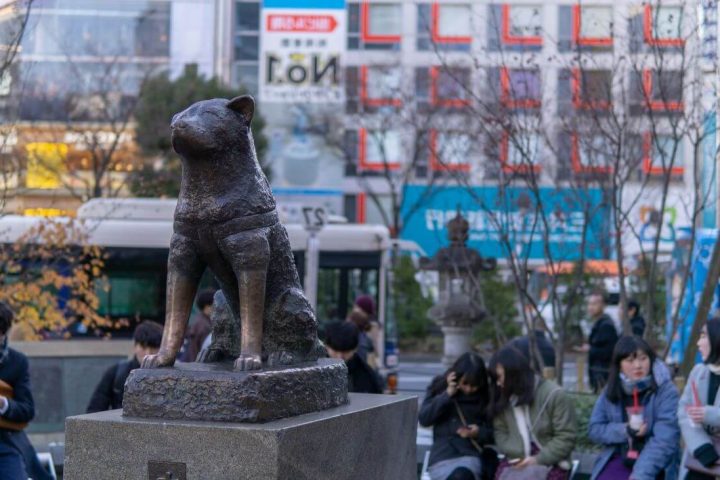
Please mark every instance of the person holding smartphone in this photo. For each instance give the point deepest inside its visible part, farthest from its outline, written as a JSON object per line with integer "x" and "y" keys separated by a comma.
{"x": 635, "y": 417}
{"x": 533, "y": 420}
{"x": 455, "y": 406}
{"x": 699, "y": 407}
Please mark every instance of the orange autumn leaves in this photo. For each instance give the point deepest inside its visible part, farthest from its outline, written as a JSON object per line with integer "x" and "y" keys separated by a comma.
{"x": 51, "y": 278}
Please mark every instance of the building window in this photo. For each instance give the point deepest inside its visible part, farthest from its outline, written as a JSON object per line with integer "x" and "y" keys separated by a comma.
{"x": 662, "y": 25}
{"x": 448, "y": 86}
{"x": 522, "y": 25}
{"x": 591, "y": 89}
{"x": 590, "y": 154}
{"x": 379, "y": 150}
{"x": 246, "y": 47}
{"x": 245, "y": 72}
{"x": 247, "y": 16}
{"x": 380, "y": 86}
{"x": 381, "y": 22}
{"x": 245, "y": 76}
{"x": 663, "y": 90}
{"x": 450, "y": 151}
{"x": 451, "y": 23}
{"x": 592, "y": 25}
{"x": 374, "y": 26}
{"x": 445, "y": 26}
{"x": 520, "y": 88}
{"x": 662, "y": 152}
{"x": 520, "y": 154}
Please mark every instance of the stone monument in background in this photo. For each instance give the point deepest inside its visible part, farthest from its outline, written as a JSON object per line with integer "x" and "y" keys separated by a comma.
{"x": 205, "y": 419}
{"x": 458, "y": 307}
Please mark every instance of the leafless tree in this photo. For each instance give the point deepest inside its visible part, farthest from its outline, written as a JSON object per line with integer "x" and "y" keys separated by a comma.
{"x": 616, "y": 115}
{"x": 14, "y": 17}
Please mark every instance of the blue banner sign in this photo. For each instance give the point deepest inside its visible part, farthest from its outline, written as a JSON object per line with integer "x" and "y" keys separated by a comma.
{"x": 704, "y": 244}
{"x": 504, "y": 218}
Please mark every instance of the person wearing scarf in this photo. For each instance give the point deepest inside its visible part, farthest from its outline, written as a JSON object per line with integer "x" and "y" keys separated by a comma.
{"x": 635, "y": 417}
{"x": 699, "y": 407}
{"x": 18, "y": 459}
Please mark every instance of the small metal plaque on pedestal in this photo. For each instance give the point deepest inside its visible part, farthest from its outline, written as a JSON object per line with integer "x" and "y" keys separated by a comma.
{"x": 167, "y": 471}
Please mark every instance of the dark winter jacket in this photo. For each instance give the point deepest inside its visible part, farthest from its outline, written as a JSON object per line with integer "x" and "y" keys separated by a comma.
{"x": 637, "y": 323}
{"x": 660, "y": 452}
{"x": 438, "y": 411}
{"x": 15, "y": 371}
{"x": 198, "y": 332}
{"x": 547, "y": 351}
{"x": 603, "y": 338}
{"x": 361, "y": 377}
{"x": 109, "y": 392}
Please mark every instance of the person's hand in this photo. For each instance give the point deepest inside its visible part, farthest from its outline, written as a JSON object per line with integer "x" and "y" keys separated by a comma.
{"x": 527, "y": 462}
{"x": 452, "y": 384}
{"x": 471, "y": 431}
{"x": 641, "y": 431}
{"x": 696, "y": 414}
{"x": 584, "y": 348}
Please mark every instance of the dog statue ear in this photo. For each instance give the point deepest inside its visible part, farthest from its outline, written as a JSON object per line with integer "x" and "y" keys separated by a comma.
{"x": 244, "y": 105}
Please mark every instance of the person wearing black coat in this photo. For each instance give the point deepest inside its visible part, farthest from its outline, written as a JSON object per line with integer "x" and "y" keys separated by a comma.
{"x": 18, "y": 459}
{"x": 341, "y": 342}
{"x": 108, "y": 394}
{"x": 637, "y": 321}
{"x": 603, "y": 338}
{"x": 455, "y": 407}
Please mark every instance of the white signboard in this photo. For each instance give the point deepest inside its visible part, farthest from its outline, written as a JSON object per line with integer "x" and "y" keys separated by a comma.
{"x": 302, "y": 45}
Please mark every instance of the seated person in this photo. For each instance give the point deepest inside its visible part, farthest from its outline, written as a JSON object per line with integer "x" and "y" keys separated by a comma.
{"x": 18, "y": 459}
{"x": 341, "y": 342}
{"x": 109, "y": 392}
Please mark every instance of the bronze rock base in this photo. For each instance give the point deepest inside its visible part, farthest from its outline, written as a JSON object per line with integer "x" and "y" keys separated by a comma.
{"x": 216, "y": 392}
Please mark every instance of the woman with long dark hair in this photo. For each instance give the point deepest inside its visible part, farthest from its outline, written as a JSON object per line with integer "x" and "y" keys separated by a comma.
{"x": 635, "y": 417}
{"x": 455, "y": 406}
{"x": 534, "y": 420}
{"x": 699, "y": 407}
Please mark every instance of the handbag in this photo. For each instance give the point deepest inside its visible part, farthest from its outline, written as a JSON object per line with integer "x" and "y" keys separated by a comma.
{"x": 533, "y": 472}
{"x": 692, "y": 463}
{"x": 6, "y": 390}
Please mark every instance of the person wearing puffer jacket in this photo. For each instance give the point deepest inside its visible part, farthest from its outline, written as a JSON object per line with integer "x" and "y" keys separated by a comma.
{"x": 699, "y": 410}
{"x": 640, "y": 443}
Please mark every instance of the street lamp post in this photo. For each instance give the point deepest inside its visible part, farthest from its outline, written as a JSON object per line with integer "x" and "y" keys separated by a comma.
{"x": 458, "y": 308}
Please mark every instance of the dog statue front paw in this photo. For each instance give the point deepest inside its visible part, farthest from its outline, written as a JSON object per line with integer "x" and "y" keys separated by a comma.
{"x": 160, "y": 359}
{"x": 246, "y": 362}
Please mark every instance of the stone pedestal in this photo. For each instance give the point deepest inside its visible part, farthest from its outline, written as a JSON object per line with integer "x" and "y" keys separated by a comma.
{"x": 456, "y": 342}
{"x": 370, "y": 437}
{"x": 216, "y": 392}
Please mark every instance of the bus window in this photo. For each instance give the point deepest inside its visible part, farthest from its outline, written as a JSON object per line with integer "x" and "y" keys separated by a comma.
{"x": 362, "y": 282}
{"x": 131, "y": 296}
{"x": 328, "y": 296}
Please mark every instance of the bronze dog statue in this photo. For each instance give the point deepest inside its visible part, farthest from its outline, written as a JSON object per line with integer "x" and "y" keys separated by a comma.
{"x": 226, "y": 220}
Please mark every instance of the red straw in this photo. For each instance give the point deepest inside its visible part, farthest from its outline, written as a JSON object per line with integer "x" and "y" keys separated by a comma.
{"x": 635, "y": 398}
{"x": 696, "y": 396}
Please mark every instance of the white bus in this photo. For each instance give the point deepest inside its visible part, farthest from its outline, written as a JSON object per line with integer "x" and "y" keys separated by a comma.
{"x": 135, "y": 234}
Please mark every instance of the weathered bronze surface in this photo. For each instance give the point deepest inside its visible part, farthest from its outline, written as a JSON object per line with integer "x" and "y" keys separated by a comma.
{"x": 216, "y": 392}
{"x": 226, "y": 220}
